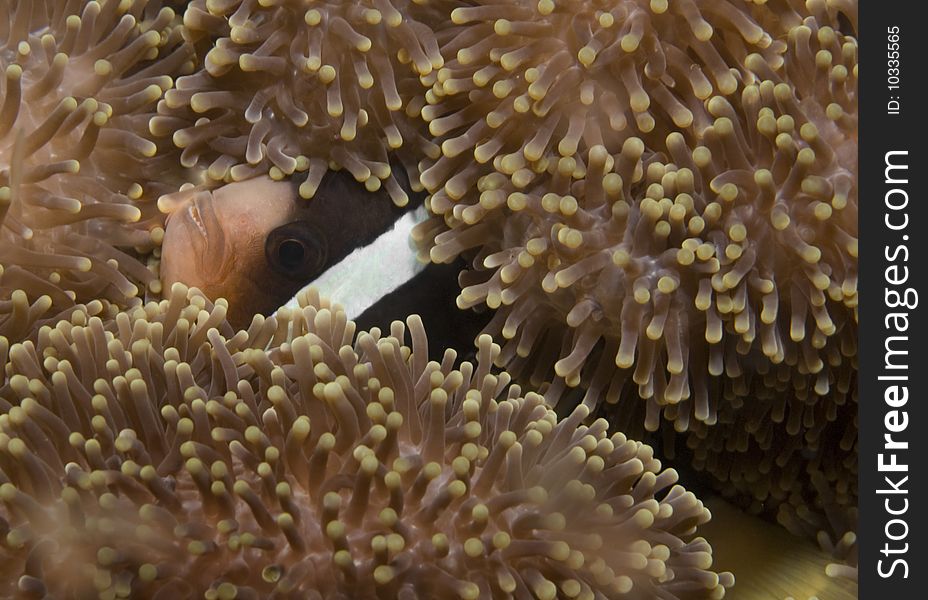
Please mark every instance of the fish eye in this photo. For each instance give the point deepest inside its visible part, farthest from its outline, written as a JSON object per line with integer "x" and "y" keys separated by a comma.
{"x": 296, "y": 250}
{"x": 291, "y": 253}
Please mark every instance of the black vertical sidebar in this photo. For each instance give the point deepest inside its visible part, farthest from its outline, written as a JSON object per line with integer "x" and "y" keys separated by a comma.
{"x": 893, "y": 169}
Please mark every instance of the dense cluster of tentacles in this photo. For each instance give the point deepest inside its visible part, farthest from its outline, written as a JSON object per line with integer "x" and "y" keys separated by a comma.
{"x": 289, "y": 87}
{"x": 659, "y": 200}
{"x": 164, "y": 454}
{"x": 79, "y": 174}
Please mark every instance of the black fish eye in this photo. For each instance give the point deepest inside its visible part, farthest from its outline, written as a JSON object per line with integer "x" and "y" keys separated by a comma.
{"x": 291, "y": 253}
{"x": 296, "y": 250}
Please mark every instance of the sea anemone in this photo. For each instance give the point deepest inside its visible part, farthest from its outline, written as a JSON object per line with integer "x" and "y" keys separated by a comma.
{"x": 744, "y": 210}
{"x": 659, "y": 200}
{"x": 78, "y": 177}
{"x": 289, "y": 86}
{"x": 527, "y": 81}
{"x": 163, "y": 454}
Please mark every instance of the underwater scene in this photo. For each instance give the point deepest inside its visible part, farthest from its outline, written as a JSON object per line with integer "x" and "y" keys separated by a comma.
{"x": 429, "y": 299}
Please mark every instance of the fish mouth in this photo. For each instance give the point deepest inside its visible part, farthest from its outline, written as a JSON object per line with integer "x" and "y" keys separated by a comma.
{"x": 201, "y": 215}
{"x": 187, "y": 207}
{"x": 195, "y": 210}
{"x": 194, "y": 214}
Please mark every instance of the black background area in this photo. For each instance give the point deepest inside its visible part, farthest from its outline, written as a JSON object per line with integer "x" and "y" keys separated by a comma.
{"x": 880, "y": 133}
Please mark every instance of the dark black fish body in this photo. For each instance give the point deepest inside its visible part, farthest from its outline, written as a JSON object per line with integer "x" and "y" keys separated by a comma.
{"x": 432, "y": 295}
